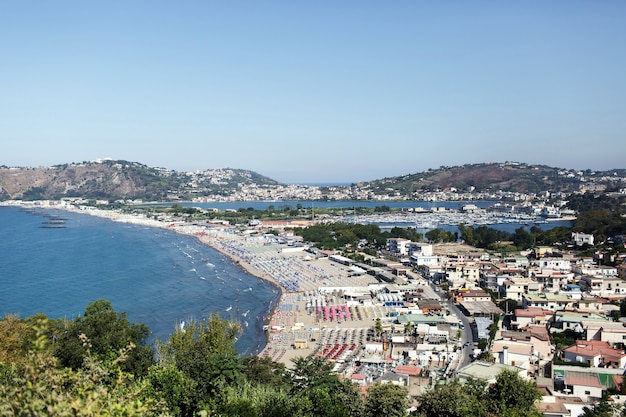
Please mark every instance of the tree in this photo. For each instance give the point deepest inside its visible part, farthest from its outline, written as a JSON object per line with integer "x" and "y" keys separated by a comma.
{"x": 177, "y": 389}
{"x": 378, "y": 327}
{"x": 40, "y": 387}
{"x": 108, "y": 332}
{"x": 388, "y": 400}
{"x": 513, "y": 393}
{"x": 263, "y": 370}
{"x": 454, "y": 400}
{"x": 522, "y": 239}
{"x": 205, "y": 352}
{"x": 313, "y": 372}
{"x": 12, "y": 343}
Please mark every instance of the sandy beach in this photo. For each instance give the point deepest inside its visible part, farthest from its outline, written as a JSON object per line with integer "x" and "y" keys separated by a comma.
{"x": 299, "y": 319}
{"x": 314, "y": 321}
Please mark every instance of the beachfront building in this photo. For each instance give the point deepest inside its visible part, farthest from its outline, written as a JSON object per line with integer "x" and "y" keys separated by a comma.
{"x": 492, "y": 281}
{"x": 398, "y": 246}
{"x": 487, "y": 371}
{"x": 573, "y": 291}
{"x": 613, "y": 333}
{"x": 513, "y": 352}
{"x": 588, "y": 384}
{"x": 554, "y": 263}
{"x": 529, "y": 348}
{"x": 515, "y": 263}
{"x": 434, "y": 262}
{"x": 405, "y": 248}
{"x": 595, "y": 305}
{"x": 471, "y": 295}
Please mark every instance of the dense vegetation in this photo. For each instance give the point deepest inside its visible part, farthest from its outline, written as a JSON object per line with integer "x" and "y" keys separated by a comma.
{"x": 97, "y": 364}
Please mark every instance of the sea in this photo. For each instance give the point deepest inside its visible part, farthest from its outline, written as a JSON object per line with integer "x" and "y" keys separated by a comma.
{"x": 155, "y": 276}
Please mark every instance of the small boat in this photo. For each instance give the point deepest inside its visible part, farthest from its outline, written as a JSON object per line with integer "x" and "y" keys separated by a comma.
{"x": 229, "y": 308}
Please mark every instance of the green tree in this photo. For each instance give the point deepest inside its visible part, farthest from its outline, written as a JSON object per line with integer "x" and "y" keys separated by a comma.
{"x": 265, "y": 371}
{"x": 254, "y": 400}
{"x": 39, "y": 387}
{"x": 204, "y": 351}
{"x": 378, "y": 327}
{"x": 511, "y": 393}
{"x": 313, "y": 372}
{"x": 454, "y": 399}
{"x": 522, "y": 239}
{"x": 388, "y": 400}
{"x": 108, "y": 331}
{"x": 172, "y": 385}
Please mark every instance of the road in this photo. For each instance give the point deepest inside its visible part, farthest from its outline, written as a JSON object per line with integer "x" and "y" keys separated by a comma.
{"x": 467, "y": 336}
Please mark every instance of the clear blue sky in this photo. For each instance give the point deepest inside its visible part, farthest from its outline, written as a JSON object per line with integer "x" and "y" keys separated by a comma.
{"x": 314, "y": 91}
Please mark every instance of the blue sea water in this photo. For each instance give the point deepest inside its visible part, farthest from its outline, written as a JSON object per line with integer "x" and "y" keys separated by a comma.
{"x": 155, "y": 276}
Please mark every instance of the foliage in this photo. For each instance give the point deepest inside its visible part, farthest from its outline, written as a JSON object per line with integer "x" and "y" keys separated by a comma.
{"x": 439, "y": 235}
{"x": 509, "y": 396}
{"x": 205, "y": 353}
{"x": 601, "y": 409}
{"x": 108, "y": 331}
{"x": 564, "y": 339}
{"x": 340, "y": 235}
{"x": 482, "y": 236}
{"x": 13, "y": 343}
{"x": 454, "y": 400}
{"x": 313, "y": 372}
{"x": 522, "y": 239}
{"x": 38, "y": 386}
{"x": 265, "y": 371}
{"x": 386, "y": 400}
{"x": 511, "y": 393}
{"x": 174, "y": 387}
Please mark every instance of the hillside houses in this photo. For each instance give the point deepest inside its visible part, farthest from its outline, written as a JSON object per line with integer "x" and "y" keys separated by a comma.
{"x": 554, "y": 293}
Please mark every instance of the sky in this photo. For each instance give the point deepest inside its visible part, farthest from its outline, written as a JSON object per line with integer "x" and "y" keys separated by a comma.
{"x": 314, "y": 91}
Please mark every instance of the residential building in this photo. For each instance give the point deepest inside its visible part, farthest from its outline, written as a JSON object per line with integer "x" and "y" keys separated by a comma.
{"x": 582, "y": 239}
{"x": 550, "y": 301}
{"x": 515, "y": 288}
{"x": 595, "y": 353}
{"x": 609, "y": 287}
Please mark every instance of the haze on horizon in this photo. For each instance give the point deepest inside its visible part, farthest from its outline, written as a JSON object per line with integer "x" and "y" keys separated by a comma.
{"x": 306, "y": 92}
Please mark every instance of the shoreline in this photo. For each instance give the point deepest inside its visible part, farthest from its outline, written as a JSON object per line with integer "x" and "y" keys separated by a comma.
{"x": 192, "y": 231}
{"x": 294, "y": 326}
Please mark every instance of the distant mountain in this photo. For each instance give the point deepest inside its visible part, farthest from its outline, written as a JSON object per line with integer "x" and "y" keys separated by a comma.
{"x": 112, "y": 180}
{"x": 490, "y": 177}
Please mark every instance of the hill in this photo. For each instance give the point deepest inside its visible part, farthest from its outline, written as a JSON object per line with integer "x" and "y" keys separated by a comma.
{"x": 490, "y": 177}
{"x": 113, "y": 180}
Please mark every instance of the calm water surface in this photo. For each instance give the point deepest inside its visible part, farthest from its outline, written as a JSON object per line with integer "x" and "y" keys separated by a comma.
{"x": 156, "y": 276}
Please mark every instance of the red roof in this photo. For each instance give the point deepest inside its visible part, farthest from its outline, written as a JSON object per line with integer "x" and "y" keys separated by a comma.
{"x": 407, "y": 370}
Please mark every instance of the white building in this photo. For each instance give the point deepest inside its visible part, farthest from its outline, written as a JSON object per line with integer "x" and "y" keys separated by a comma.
{"x": 582, "y": 238}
